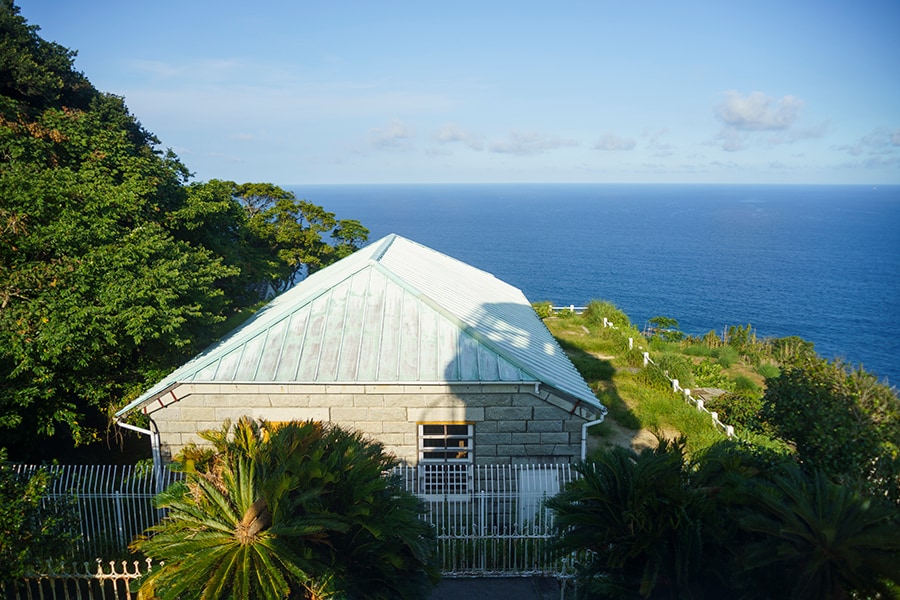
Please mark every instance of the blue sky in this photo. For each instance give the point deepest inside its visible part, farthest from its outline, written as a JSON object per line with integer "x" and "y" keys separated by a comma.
{"x": 298, "y": 92}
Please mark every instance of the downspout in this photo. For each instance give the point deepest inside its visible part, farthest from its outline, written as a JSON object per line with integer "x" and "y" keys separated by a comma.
{"x": 154, "y": 449}
{"x": 584, "y": 429}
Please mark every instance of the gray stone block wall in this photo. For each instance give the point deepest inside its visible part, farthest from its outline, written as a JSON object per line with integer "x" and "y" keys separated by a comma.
{"x": 512, "y": 424}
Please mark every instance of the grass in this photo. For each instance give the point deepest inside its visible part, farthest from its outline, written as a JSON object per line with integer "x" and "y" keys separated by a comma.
{"x": 639, "y": 397}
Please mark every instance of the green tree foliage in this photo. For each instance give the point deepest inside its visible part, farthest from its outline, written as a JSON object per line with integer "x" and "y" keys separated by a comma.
{"x": 32, "y": 531}
{"x": 301, "y": 509}
{"x": 665, "y": 328}
{"x": 113, "y": 268}
{"x": 841, "y": 420}
{"x": 292, "y": 230}
{"x": 273, "y": 238}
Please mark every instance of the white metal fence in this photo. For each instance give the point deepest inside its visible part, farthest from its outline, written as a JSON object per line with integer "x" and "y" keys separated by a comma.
{"x": 496, "y": 524}
{"x": 490, "y": 522}
{"x": 114, "y": 503}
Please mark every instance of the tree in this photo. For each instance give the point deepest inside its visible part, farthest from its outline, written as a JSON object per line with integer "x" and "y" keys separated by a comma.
{"x": 271, "y": 236}
{"x": 300, "y": 509}
{"x": 113, "y": 268}
{"x": 94, "y": 288}
{"x": 31, "y": 531}
{"x": 665, "y": 328}
{"x": 842, "y": 421}
{"x": 292, "y": 229}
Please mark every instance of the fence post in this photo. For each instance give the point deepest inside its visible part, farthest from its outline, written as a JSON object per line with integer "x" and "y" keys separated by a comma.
{"x": 120, "y": 519}
{"x": 630, "y": 343}
{"x": 646, "y": 358}
{"x": 675, "y": 386}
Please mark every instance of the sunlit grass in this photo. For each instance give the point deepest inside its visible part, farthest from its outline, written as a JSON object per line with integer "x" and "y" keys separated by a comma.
{"x": 636, "y": 397}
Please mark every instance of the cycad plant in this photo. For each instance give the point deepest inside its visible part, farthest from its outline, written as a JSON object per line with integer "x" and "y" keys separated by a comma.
{"x": 637, "y": 524}
{"x": 300, "y": 510}
{"x": 809, "y": 537}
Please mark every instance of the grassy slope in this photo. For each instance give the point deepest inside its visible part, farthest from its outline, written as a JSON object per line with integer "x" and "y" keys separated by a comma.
{"x": 617, "y": 375}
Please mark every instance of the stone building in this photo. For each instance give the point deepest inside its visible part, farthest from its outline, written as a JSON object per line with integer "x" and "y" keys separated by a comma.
{"x": 441, "y": 362}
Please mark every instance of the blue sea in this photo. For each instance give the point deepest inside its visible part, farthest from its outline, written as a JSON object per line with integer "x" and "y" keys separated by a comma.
{"x": 819, "y": 262}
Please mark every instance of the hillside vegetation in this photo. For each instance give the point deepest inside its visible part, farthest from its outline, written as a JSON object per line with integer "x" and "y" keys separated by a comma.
{"x": 115, "y": 267}
{"x": 775, "y": 392}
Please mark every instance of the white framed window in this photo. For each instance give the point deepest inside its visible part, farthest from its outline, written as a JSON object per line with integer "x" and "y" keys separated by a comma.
{"x": 446, "y": 455}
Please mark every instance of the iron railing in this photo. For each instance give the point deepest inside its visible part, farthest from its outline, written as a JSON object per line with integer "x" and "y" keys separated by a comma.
{"x": 114, "y": 503}
{"x": 490, "y": 521}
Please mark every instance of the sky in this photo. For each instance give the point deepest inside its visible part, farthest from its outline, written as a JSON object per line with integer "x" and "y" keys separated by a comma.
{"x": 318, "y": 92}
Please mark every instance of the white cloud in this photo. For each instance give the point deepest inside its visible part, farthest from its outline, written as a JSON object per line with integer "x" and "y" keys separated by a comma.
{"x": 393, "y": 137}
{"x": 879, "y": 142}
{"x": 452, "y": 133}
{"x": 659, "y": 148}
{"x": 529, "y": 143}
{"x": 732, "y": 140}
{"x": 758, "y": 112}
{"x": 613, "y": 142}
{"x": 758, "y": 119}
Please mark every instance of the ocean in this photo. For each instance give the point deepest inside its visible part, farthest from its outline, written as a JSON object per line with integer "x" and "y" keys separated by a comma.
{"x": 818, "y": 262}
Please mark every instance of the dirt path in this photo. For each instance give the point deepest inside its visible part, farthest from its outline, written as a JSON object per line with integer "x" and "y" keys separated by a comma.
{"x": 617, "y": 435}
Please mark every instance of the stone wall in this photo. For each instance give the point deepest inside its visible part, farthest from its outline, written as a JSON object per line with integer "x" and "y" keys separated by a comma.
{"x": 514, "y": 423}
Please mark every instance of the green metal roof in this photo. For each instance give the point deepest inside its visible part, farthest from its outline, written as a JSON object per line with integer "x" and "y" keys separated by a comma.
{"x": 392, "y": 312}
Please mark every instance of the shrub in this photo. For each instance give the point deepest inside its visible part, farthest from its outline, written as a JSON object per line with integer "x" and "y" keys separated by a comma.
{"x": 792, "y": 350}
{"x": 699, "y": 350}
{"x": 745, "y": 385}
{"x": 543, "y": 309}
{"x": 31, "y": 530}
{"x": 727, "y": 356}
{"x": 668, "y": 366}
{"x": 300, "y": 510}
{"x": 712, "y": 339}
{"x": 597, "y": 309}
{"x": 841, "y": 420}
{"x": 710, "y": 374}
{"x": 768, "y": 370}
{"x": 737, "y": 409}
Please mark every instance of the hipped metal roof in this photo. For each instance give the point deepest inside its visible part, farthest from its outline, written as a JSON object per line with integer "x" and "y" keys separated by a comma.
{"x": 392, "y": 312}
